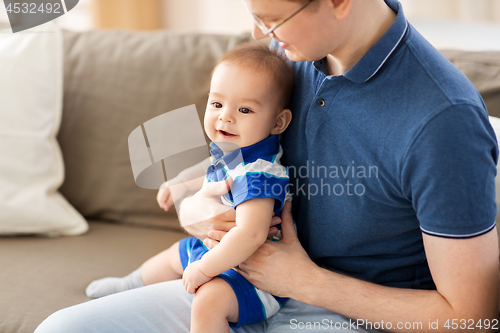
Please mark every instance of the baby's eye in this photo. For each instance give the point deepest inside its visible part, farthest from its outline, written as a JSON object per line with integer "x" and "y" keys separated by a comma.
{"x": 216, "y": 105}
{"x": 245, "y": 110}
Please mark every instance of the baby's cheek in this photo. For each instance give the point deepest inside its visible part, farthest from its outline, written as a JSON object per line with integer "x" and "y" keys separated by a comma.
{"x": 208, "y": 125}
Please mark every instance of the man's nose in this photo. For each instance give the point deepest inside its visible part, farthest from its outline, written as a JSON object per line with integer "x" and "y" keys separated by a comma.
{"x": 257, "y": 33}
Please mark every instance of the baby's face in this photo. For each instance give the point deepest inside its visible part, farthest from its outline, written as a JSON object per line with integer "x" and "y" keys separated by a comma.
{"x": 241, "y": 109}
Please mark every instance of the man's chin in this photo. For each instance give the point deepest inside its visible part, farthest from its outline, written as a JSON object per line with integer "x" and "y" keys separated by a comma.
{"x": 297, "y": 56}
{"x": 294, "y": 56}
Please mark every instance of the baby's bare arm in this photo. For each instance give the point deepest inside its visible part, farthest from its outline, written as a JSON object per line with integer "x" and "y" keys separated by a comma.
{"x": 250, "y": 232}
{"x": 188, "y": 180}
{"x": 192, "y": 177}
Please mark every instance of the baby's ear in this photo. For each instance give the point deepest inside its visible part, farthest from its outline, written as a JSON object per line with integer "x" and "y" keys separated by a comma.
{"x": 282, "y": 121}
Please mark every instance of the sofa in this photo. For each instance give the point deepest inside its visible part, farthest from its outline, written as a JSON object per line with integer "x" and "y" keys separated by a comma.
{"x": 114, "y": 81}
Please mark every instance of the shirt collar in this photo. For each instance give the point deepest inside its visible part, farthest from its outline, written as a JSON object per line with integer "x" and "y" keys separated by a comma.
{"x": 266, "y": 147}
{"x": 378, "y": 54}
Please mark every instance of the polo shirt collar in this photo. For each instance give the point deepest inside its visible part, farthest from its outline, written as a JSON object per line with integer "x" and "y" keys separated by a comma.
{"x": 378, "y": 54}
{"x": 268, "y": 146}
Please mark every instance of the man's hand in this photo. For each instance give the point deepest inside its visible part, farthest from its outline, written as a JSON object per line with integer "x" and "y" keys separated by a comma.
{"x": 275, "y": 262}
{"x": 215, "y": 236}
{"x": 193, "y": 277}
{"x": 206, "y": 218}
{"x": 204, "y": 211}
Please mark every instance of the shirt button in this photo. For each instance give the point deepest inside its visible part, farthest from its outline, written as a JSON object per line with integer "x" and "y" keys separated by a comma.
{"x": 320, "y": 102}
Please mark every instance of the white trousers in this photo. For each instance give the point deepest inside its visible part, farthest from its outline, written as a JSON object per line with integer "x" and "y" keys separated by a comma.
{"x": 166, "y": 307}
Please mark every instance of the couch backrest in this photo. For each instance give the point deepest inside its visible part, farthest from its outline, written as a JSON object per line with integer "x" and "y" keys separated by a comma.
{"x": 483, "y": 69}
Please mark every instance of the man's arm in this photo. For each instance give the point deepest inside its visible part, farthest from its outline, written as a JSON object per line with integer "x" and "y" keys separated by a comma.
{"x": 465, "y": 272}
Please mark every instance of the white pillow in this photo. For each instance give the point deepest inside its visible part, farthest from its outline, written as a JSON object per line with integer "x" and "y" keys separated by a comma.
{"x": 31, "y": 165}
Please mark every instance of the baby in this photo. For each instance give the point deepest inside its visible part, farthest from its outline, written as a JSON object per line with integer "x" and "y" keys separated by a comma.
{"x": 246, "y": 111}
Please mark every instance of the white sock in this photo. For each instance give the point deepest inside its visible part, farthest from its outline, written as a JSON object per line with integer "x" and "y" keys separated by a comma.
{"x": 111, "y": 285}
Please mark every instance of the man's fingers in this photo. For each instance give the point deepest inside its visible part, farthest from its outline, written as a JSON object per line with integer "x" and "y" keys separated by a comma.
{"x": 241, "y": 271}
{"x": 216, "y": 234}
{"x": 218, "y": 188}
{"x": 228, "y": 216}
{"x": 275, "y": 220}
{"x": 287, "y": 227}
{"x": 272, "y": 232}
{"x": 229, "y": 183}
{"x": 210, "y": 243}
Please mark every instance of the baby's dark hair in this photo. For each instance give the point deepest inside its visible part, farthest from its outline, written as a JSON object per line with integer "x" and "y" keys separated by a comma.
{"x": 258, "y": 57}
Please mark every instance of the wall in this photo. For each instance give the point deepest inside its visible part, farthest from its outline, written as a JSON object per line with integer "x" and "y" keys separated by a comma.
{"x": 127, "y": 14}
{"x": 229, "y": 16}
{"x": 464, "y": 10}
{"x": 214, "y": 16}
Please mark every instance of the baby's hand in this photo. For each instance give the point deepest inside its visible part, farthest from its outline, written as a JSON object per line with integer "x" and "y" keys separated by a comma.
{"x": 164, "y": 197}
{"x": 193, "y": 277}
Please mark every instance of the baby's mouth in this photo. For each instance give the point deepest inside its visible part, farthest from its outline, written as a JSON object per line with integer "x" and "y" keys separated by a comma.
{"x": 224, "y": 133}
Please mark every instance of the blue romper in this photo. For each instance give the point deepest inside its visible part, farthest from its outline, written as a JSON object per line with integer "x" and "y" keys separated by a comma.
{"x": 257, "y": 173}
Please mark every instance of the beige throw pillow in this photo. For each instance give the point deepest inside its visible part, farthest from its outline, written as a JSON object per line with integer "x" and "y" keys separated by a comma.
{"x": 31, "y": 165}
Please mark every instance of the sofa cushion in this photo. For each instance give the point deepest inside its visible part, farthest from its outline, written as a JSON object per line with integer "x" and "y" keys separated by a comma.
{"x": 483, "y": 69}
{"x": 31, "y": 165}
{"x": 41, "y": 275}
{"x": 114, "y": 82}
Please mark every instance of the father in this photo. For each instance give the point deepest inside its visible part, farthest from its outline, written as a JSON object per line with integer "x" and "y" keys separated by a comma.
{"x": 392, "y": 165}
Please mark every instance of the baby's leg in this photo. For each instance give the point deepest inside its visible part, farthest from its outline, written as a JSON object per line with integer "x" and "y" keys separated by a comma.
{"x": 165, "y": 266}
{"x": 214, "y": 304}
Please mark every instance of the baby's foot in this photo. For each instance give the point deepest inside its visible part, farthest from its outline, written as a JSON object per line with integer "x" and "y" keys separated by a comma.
{"x": 111, "y": 285}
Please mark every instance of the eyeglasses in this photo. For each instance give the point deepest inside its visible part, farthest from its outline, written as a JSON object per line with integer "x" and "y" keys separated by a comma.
{"x": 270, "y": 31}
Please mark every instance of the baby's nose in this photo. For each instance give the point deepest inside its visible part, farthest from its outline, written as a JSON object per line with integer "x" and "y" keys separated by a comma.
{"x": 225, "y": 116}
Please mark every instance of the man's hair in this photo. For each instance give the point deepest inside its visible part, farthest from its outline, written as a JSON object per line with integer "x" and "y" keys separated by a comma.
{"x": 258, "y": 57}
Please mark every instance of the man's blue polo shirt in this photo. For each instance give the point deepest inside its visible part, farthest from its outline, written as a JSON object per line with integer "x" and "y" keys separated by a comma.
{"x": 398, "y": 145}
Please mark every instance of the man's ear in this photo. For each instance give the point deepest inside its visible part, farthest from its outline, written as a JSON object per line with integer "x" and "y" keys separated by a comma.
{"x": 341, "y": 8}
{"x": 282, "y": 121}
